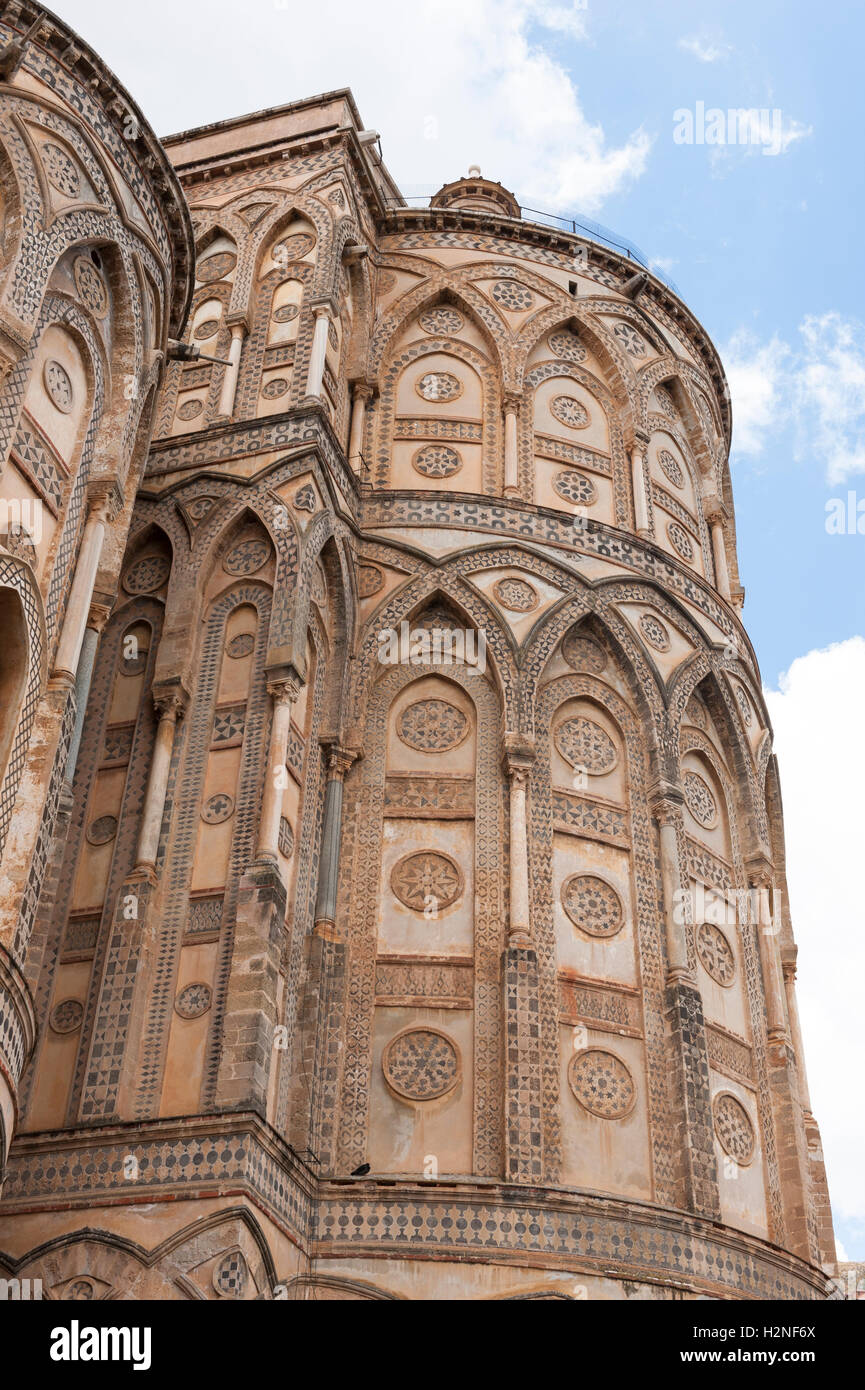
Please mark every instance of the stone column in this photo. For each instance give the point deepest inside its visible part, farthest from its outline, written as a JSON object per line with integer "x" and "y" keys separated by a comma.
{"x": 338, "y": 764}
{"x": 315, "y": 374}
{"x": 169, "y": 706}
{"x": 103, "y": 501}
{"x": 667, "y": 810}
{"x": 228, "y": 392}
{"x": 641, "y": 498}
{"x": 512, "y": 458}
{"x": 719, "y": 550}
{"x": 761, "y": 886}
{"x": 283, "y": 692}
{"x": 691, "y": 1117}
{"x": 518, "y": 760}
{"x": 361, "y": 393}
{"x": 96, "y": 620}
{"x": 789, "y": 970}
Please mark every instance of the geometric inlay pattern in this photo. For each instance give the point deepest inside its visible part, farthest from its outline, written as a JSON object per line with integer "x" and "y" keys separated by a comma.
{"x": 680, "y": 540}
{"x": 575, "y": 487}
{"x": 285, "y": 839}
{"x": 437, "y": 461}
{"x": 90, "y": 286}
{"x": 569, "y": 411}
{"x": 61, "y": 170}
{"x": 241, "y": 644}
{"x": 582, "y": 653}
{"x": 193, "y": 1000}
{"x": 511, "y": 295}
{"x": 100, "y": 831}
{"x": 630, "y": 339}
{"x": 715, "y": 952}
{"x": 654, "y": 632}
{"x": 583, "y": 743}
{"x": 217, "y": 808}
{"x": 602, "y": 1083}
{"x": 568, "y": 347}
{"x": 441, "y": 321}
{"x": 592, "y": 904}
{"x": 247, "y": 557}
{"x": 432, "y": 726}
{"x": 58, "y": 384}
{"x": 421, "y": 1064}
{"x": 427, "y": 879}
{"x": 229, "y": 1276}
{"x": 66, "y": 1016}
{"x": 516, "y": 595}
{"x": 701, "y": 802}
{"x": 370, "y": 580}
{"x": 439, "y": 386}
{"x": 147, "y": 574}
{"x": 733, "y": 1127}
{"x": 672, "y": 468}
{"x": 214, "y": 267}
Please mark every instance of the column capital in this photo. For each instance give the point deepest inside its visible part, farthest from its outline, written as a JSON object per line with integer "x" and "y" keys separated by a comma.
{"x": 362, "y": 390}
{"x": 339, "y": 759}
{"x": 283, "y": 690}
{"x": 760, "y": 872}
{"x": 640, "y": 439}
{"x": 105, "y": 496}
{"x": 238, "y": 323}
{"x": 666, "y": 800}
{"x": 323, "y": 307}
{"x": 98, "y": 616}
{"x": 512, "y": 402}
{"x": 518, "y": 755}
{"x": 170, "y": 702}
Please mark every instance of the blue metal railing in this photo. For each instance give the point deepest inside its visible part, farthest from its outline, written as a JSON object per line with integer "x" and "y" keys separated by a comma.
{"x": 576, "y": 225}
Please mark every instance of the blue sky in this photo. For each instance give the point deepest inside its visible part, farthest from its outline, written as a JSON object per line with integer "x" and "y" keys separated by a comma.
{"x": 573, "y": 108}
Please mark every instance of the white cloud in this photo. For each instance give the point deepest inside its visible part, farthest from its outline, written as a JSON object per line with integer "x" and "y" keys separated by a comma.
{"x": 817, "y": 717}
{"x": 814, "y": 387}
{"x": 448, "y": 83}
{"x": 755, "y": 374}
{"x": 705, "y": 51}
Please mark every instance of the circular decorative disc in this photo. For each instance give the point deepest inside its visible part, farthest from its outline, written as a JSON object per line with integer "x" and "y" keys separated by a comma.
{"x": 190, "y": 410}
{"x": 680, "y": 540}
{"x": 147, "y": 574}
{"x": 602, "y": 1083}
{"x": 79, "y": 1291}
{"x": 569, "y": 411}
{"x": 101, "y": 831}
{"x": 744, "y": 705}
{"x": 441, "y": 321}
{"x": 432, "y": 726}
{"x": 286, "y": 838}
{"x": 214, "y": 267}
{"x": 568, "y": 347}
{"x": 293, "y": 248}
{"x": 427, "y": 879}
{"x": 90, "y": 286}
{"x": 208, "y": 328}
{"x": 217, "y": 809}
{"x": 666, "y": 402}
{"x": 284, "y": 313}
{"x": 370, "y": 580}
{"x": 439, "y": 386}
{"x": 582, "y": 653}
{"x": 583, "y": 743}
{"x": 437, "y": 461}
{"x": 672, "y": 468}
{"x": 575, "y": 487}
{"x": 733, "y": 1127}
{"x": 241, "y": 644}
{"x": 58, "y": 384}
{"x": 67, "y": 1016}
{"x": 230, "y": 1275}
{"x": 695, "y": 712}
{"x": 715, "y": 952}
{"x": 510, "y": 294}
{"x": 273, "y": 389}
{"x": 593, "y": 905}
{"x": 654, "y": 632}
{"x": 701, "y": 802}
{"x": 19, "y": 542}
{"x": 515, "y": 594}
{"x": 630, "y": 339}
{"x": 247, "y": 557}
{"x": 193, "y": 1000}
{"x": 61, "y": 171}
{"x": 421, "y": 1064}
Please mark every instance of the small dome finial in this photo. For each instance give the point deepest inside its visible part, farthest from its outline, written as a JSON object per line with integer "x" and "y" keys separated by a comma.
{"x": 474, "y": 171}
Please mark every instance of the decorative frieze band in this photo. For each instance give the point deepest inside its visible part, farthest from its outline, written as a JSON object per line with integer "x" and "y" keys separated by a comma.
{"x": 596, "y": 820}
{"x": 441, "y": 798}
{"x": 729, "y": 1053}
{"x": 438, "y": 984}
{"x": 608, "y": 1008}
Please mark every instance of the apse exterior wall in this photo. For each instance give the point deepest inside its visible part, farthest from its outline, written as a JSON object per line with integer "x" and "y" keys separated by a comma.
{"x": 95, "y": 244}
{"x": 507, "y": 927}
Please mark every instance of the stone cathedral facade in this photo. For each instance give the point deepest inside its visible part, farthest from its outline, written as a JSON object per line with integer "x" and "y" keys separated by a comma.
{"x": 392, "y": 894}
